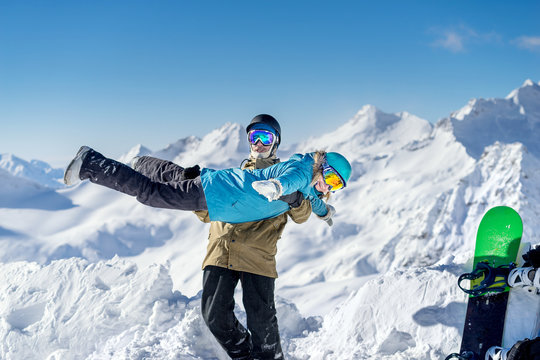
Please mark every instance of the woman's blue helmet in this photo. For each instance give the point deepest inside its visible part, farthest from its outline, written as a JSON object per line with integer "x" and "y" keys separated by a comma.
{"x": 340, "y": 164}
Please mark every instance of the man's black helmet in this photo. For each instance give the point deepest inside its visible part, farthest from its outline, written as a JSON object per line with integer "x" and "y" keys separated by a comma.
{"x": 267, "y": 120}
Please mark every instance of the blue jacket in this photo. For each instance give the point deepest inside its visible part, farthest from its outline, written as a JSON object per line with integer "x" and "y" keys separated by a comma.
{"x": 231, "y": 198}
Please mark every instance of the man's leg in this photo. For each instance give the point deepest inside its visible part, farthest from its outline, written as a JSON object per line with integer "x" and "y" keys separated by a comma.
{"x": 258, "y": 299}
{"x": 217, "y": 306}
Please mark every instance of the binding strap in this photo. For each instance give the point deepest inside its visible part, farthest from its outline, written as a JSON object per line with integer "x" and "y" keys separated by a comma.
{"x": 495, "y": 278}
{"x": 466, "y": 355}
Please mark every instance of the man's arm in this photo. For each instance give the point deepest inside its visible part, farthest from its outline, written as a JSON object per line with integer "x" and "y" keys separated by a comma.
{"x": 300, "y": 208}
{"x": 203, "y": 215}
{"x": 301, "y": 213}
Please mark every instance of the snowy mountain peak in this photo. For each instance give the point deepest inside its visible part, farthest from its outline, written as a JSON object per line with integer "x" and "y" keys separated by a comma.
{"x": 137, "y": 150}
{"x": 223, "y": 147}
{"x": 515, "y": 118}
{"x": 172, "y": 150}
{"x": 464, "y": 111}
{"x": 232, "y": 128}
{"x": 528, "y": 95}
{"x": 366, "y": 110}
{"x": 371, "y": 130}
{"x": 371, "y": 119}
{"x": 528, "y": 82}
{"x": 225, "y": 136}
{"x": 36, "y": 171}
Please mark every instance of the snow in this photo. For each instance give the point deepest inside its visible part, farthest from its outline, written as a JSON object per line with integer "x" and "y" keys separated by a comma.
{"x": 35, "y": 170}
{"x": 88, "y": 273}
{"x": 515, "y": 118}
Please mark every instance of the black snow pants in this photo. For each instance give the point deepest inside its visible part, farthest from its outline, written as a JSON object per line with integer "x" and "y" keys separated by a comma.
{"x": 156, "y": 182}
{"x": 262, "y": 341}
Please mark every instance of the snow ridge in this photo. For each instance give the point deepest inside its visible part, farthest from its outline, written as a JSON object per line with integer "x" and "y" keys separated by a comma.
{"x": 516, "y": 118}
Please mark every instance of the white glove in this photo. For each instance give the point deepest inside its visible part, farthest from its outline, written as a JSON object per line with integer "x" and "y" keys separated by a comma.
{"x": 329, "y": 214}
{"x": 270, "y": 189}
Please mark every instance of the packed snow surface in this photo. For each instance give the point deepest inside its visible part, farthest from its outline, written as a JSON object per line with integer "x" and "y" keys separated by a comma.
{"x": 88, "y": 273}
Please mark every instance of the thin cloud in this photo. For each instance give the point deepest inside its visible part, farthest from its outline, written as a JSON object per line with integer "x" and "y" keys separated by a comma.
{"x": 458, "y": 38}
{"x": 528, "y": 42}
{"x": 451, "y": 41}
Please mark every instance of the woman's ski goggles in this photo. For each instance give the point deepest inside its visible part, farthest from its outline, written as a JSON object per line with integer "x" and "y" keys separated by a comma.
{"x": 332, "y": 178}
{"x": 265, "y": 137}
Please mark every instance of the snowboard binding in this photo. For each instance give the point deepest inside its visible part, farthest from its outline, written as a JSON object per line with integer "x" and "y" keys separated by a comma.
{"x": 466, "y": 355}
{"x": 495, "y": 279}
{"x": 525, "y": 277}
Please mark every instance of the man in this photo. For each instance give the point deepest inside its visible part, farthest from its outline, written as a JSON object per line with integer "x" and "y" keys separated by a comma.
{"x": 246, "y": 252}
{"x": 242, "y": 252}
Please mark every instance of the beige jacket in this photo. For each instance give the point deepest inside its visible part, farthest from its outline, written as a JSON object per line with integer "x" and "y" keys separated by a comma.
{"x": 250, "y": 246}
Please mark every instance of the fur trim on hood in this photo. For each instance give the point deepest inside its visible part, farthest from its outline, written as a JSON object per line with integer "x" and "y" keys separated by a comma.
{"x": 319, "y": 159}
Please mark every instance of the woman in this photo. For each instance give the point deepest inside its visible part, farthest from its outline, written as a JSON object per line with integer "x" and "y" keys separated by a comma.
{"x": 230, "y": 195}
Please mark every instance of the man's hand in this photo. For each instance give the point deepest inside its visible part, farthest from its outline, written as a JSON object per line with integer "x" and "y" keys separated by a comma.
{"x": 294, "y": 200}
{"x": 191, "y": 172}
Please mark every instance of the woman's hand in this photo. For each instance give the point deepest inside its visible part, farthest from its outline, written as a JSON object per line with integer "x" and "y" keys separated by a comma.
{"x": 328, "y": 217}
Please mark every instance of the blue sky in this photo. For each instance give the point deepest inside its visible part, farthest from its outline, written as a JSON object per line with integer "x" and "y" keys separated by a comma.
{"x": 113, "y": 74}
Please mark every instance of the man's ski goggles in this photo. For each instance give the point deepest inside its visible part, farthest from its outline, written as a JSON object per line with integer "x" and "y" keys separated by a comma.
{"x": 265, "y": 137}
{"x": 332, "y": 178}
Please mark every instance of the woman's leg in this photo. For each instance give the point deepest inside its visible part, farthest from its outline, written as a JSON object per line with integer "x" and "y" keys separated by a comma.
{"x": 185, "y": 195}
{"x": 164, "y": 171}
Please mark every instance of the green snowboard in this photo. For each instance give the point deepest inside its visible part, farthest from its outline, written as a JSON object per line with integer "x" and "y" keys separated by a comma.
{"x": 498, "y": 238}
{"x": 497, "y": 243}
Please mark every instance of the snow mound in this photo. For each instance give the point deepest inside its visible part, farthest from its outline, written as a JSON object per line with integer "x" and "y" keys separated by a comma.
{"x": 367, "y": 330}
{"x": 73, "y": 309}
{"x": 425, "y": 321}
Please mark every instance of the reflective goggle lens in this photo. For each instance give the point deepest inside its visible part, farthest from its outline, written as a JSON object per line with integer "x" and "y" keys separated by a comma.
{"x": 265, "y": 137}
{"x": 332, "y": 178}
